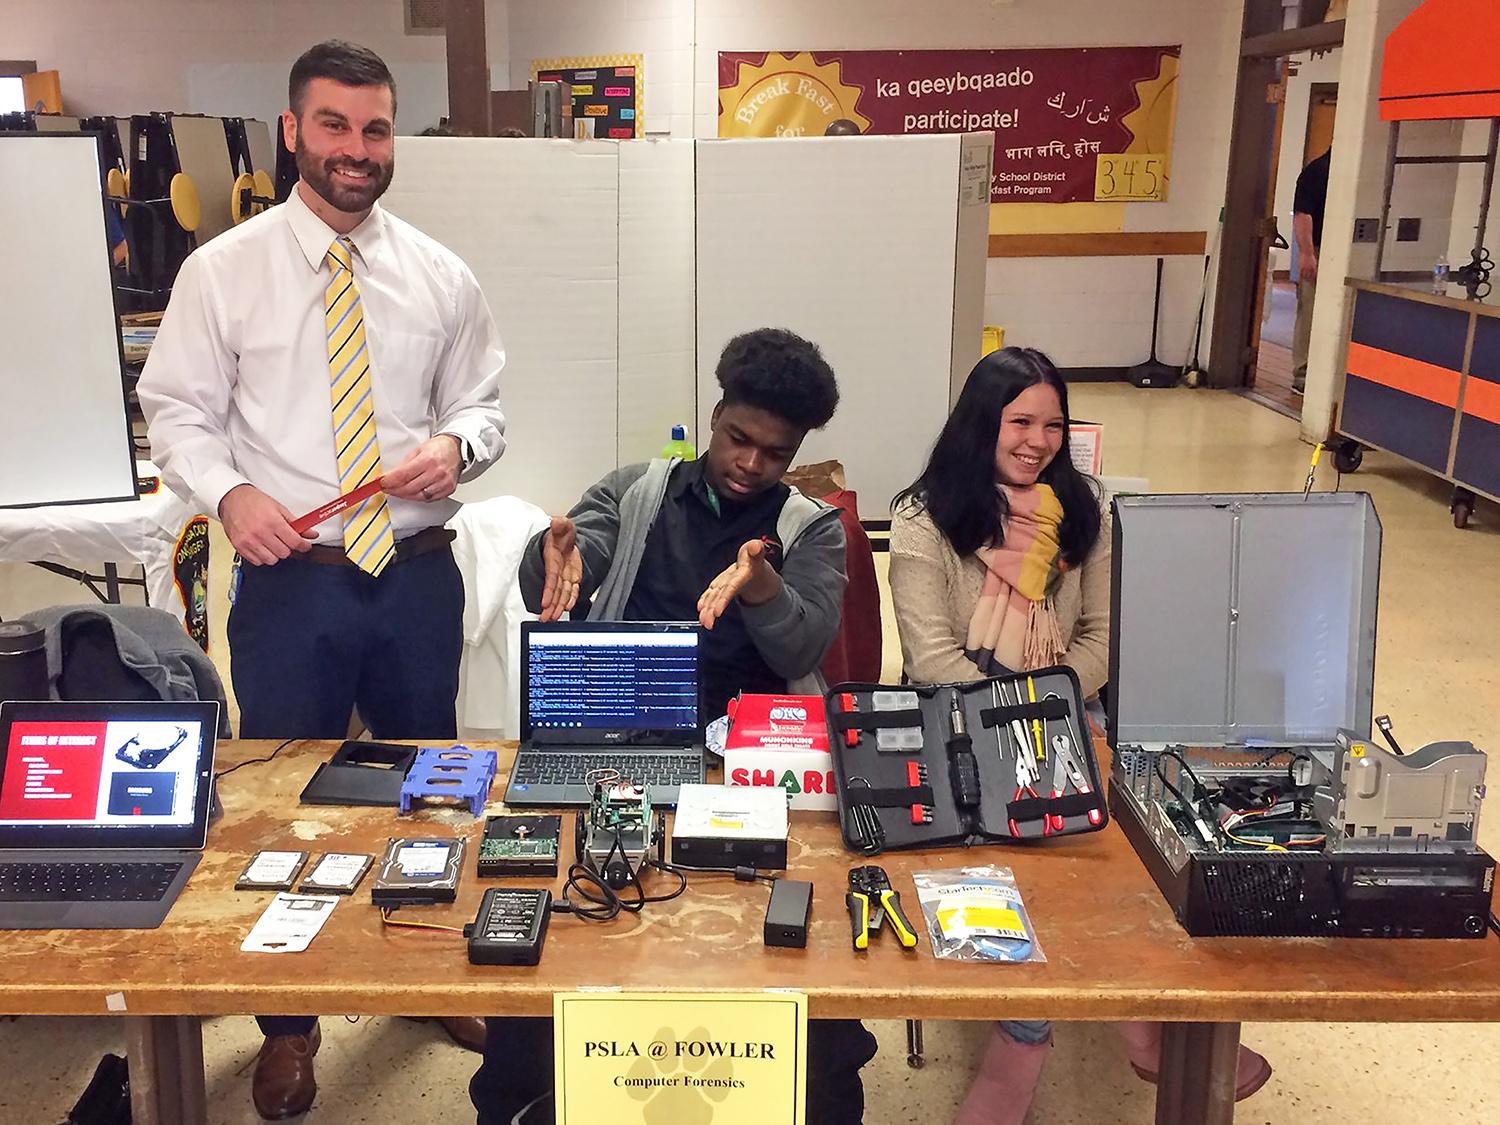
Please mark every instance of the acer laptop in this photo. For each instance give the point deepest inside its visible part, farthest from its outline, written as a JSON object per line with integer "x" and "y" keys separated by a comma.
{"x": 607, "y": 695}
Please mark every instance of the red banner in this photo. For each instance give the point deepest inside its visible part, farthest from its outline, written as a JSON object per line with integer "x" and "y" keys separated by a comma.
{"x": 1072, "y": 124}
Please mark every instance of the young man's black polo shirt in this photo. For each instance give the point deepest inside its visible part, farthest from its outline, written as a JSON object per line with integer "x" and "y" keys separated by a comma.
{"x": 697, "y": 534}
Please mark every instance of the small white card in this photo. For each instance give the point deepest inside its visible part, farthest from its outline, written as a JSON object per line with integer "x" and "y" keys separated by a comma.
{"x": 289, "y": 924}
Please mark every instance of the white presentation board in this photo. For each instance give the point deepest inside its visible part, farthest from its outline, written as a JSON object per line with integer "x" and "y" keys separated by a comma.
{"x": 616, "y": 271}
{"x": 657, "y": 306}
{"x": 537, "y": 222}
{"x": 864, "y": 245}
{"x": 64, "y": 435}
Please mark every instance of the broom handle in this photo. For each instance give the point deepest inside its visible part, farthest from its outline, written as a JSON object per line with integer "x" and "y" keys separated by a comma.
{"x": 1156, "y": 306}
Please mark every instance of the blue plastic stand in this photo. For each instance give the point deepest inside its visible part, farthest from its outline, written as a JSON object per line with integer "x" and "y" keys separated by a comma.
{"x": 450, "y": 772}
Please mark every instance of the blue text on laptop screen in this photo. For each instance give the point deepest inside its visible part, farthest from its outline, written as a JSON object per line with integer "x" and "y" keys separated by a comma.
{"x": 613, "y": 681}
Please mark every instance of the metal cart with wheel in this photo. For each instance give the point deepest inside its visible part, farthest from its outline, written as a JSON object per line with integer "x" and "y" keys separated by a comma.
{"x": 1423, "y": 374}
{"x": 1422, "y": 381}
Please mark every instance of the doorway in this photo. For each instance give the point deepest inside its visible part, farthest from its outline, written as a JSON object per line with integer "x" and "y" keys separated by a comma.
{"x": 1257, "y": 209}
{"x": 1275, "y": 352}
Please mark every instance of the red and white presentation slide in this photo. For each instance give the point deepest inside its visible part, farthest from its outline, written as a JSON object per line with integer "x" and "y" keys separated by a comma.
{"x": 52, "y": 771}
{"x": 100, "y": 773}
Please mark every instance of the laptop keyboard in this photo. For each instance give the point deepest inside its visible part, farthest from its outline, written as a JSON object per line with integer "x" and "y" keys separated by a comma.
{"x": 553, "y": 768}
{"x": 85, "y": 882}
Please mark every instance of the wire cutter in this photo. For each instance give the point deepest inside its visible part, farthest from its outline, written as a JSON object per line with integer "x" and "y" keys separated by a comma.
{"x": 871, "y": 901}
{"x": 1066, "y": 770}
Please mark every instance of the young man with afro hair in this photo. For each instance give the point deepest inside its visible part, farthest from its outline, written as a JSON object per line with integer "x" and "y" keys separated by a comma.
{"x": 720, "y": 539}
{"x": 761, "y": 566}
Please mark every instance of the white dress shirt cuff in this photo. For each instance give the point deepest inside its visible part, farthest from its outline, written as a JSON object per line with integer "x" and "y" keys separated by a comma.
{"x": 471, "y": 434}
{"x": 216, "y": 482}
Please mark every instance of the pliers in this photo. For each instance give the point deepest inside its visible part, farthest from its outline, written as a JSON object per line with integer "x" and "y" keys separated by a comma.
{"x": 1065, "y": 769}
{"x": 1026, "y": 778}
{"x": 871, "y": 901}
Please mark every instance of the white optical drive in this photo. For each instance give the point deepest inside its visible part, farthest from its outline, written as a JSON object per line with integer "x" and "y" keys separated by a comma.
{"x": 730, "y": 826}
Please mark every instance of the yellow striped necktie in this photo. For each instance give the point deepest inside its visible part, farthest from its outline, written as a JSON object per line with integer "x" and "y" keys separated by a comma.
{"x": 369, "y": 539}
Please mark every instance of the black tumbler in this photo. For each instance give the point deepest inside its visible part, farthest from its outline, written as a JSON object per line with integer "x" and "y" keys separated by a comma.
{"x": 23, "y": 660}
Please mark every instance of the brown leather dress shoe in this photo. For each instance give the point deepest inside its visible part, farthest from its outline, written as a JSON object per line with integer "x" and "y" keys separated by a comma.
{"x": 283, "y": 1085}
{"x": 466, "y": 1031}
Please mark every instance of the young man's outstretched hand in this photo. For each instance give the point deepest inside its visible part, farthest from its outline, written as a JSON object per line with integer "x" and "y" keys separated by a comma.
{"x": 562, "y": 568}
{"x": 750, "y": 577}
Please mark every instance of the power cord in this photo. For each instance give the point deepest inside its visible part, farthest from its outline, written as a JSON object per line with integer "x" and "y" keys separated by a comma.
{"x": 1201, "y": 794}
{"x": 1291, "y": 766}
{"x": 742, "y": 874}
{"x": 1201, "y": 791}
{"x": 255, "y": 761}
{"x": 604, "y": 902}
{"x": 386, "y": 919}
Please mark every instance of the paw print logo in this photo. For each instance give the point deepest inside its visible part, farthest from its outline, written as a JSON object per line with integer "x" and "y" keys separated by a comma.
{"x": 704, "y": 1081}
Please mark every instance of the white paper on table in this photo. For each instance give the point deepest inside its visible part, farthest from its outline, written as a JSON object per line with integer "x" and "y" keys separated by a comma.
{"x": 289, "y": 924}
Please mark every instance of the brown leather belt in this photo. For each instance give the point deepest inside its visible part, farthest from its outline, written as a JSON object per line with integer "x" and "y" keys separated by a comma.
{"x": 424, "y": 542}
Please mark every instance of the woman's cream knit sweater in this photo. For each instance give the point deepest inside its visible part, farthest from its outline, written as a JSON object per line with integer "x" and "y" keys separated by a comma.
{"x": 935, "y": 593}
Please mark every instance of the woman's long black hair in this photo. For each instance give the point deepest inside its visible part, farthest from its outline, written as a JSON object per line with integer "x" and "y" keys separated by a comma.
{"x": 957, "y": 488}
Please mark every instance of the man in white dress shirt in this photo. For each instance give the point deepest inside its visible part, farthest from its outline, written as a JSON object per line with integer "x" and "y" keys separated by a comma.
{"x": 310, "y": 351}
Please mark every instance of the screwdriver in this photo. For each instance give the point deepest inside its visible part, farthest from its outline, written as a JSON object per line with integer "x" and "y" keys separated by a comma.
{"x": 963, "y": 770}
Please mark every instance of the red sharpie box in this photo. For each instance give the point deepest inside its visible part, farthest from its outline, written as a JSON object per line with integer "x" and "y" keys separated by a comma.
{"x": 781, "y": 740}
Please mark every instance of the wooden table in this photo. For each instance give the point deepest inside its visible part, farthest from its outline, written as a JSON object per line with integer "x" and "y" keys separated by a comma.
{"x": 1114, "y": 951}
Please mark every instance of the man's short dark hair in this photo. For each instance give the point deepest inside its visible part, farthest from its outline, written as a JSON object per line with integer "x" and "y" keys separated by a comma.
{"x": 781, "y": 373}
{"x": 346, "y": 63}
{"x": 841, "y": 127}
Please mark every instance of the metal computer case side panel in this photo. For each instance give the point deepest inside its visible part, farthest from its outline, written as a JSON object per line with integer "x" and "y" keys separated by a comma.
{"x": 1242, "y": 617}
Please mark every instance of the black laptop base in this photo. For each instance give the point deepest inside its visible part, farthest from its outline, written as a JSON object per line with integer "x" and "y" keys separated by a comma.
{"x": 556, "y": 779}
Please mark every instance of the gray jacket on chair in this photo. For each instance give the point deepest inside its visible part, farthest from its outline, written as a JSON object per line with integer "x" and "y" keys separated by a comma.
{"x": 151, "y": 643}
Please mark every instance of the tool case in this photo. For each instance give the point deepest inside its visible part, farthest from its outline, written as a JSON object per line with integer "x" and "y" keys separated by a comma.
{"x": 942, "y": 765}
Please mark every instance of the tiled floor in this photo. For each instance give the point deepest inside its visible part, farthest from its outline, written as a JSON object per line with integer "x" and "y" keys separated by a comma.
{"x": 1281, "y": 317}
{"x": 1437, "y": 674}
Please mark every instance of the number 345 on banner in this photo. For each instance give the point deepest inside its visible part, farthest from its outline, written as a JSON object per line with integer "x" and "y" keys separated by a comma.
{"x": 1130, "y": 176}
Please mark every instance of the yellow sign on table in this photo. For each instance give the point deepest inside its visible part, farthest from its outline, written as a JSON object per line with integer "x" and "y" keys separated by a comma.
{"x": 681, "y": 1058}
{"x": 1130, "y": 176}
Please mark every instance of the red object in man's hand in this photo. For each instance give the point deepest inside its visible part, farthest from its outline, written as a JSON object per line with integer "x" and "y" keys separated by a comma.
{"x": 304, "y": 524}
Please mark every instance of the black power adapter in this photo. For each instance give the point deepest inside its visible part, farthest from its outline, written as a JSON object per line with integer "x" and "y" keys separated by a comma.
{"x": 787, "y": 913}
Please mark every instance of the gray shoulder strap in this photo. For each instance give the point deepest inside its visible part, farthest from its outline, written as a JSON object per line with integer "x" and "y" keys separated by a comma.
{"x": 638, "y": 508}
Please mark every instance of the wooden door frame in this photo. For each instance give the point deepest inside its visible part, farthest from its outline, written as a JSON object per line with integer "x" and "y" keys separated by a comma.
{"x": 1246, "y": 195}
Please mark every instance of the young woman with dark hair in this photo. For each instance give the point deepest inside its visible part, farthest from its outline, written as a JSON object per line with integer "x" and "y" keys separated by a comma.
{"x": 1000, "y": 563}
{"x": 998, "y": 558}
